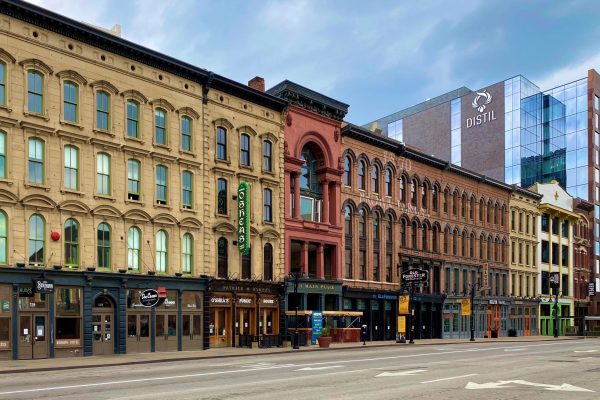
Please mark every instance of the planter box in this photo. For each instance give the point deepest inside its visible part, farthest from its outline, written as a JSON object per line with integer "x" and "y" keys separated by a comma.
{"x": 324, "y": 341}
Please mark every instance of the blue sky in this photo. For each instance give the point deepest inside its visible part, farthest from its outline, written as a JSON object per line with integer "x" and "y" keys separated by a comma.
{"x": 377, "y": 56}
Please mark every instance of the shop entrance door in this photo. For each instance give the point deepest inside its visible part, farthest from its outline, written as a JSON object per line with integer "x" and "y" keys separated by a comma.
{"x": 220, "y": 327}
{"x": 166, "y": 332}
{"x": 33, "y": 338}
{"x": 138, "y": 333}
{"x": 245, "y": 326}
{"x": 527, "y": 322}
{"x": 102, "y": 327}
{"x": 191, "y": 332}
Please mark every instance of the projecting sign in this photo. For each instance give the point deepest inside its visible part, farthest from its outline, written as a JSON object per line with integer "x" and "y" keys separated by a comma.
{"x": 486, "y": 278}
{"x": 414, "y": 276}
{"x": 555, "y": 279}
{"x": 243, "y": 230}
{"x": 149, "y": 298}
{"x": 591, "y": 288}
{"x": 43, "y": 286}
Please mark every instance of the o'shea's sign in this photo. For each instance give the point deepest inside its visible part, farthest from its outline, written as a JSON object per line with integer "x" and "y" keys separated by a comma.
{"x": 243, "y": 228}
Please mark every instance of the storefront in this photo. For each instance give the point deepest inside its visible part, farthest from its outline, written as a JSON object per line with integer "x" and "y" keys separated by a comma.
{"x": 379, "y": 311}
{"x": 54, "y": 313}
{"x": 523, "y": 318}
{"x": 547, "y": 315}
{"x": 428, "y": 315}
{"x": 242, "y": 313}
{"x": 491, "y": 318}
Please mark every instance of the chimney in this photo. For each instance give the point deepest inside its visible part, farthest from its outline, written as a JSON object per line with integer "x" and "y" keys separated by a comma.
{"x": 257, "y": 83}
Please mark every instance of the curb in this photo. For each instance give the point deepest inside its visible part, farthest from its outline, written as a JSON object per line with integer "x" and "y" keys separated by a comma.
{"x": 210, "y": 357}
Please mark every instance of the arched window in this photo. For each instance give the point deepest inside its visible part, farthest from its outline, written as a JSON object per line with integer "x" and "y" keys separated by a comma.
{"x": 434, "y": 239}
{"x": 162, "y": 180}
{"x": 187, "y": 197}
{"x": 472, "y": 208}
{"x": 267, "y": 156}
{"x": 187, "y": 253}
{"x": 481, "y": 250}
{"x": 347, "y": 171}
{"x": 37, "y": 229}
{"x": 71, "y": 163}
{"x": 481, "y": 210}
{"x": 221, "y": 196}
{"x": 446, "y": 199}
{"x": 446, "y": 239}
{"x": 2, "y": 154}
{"x": 472, "y": 246}
{"x": 362, "y": 224}
{"x": 221, "y": 143}
{"x": 464, "y": 244}
{"x": 490, "y": 211}
{"x": 455, "y": 242}
{"x": 134, "y": 241}
{"x": 389, "y": 230}
{"x": 133, "y": 119}
{"x": 388, "y": 182}
{"x": 244, "y": 149}
{"x": 186, "y": 133}
{"x": 247, "y": 265}
{"x": 375, "y": 179}
{"x": 455, "y": 203}
{"x": 463, "y": 206}
{"x": 361, "y": 175}
{"x": 36, "y": 161}
{"x": 71, "y": 243}
{"x": 347, "y": 221}
{"x": 413, "y": 234}
{"x": 222, "y": 258}
{"x": 434, "y": 198}
{"x": 2, "y": 83}
{"x": 402, "y": 185}
{"x": 162, "y": 251}
{"x": 35, "y": 92}
{"x": 267, "y": 205}
{"x": 102, "y": 110}
{"x": 424, "y": 196}
{"x": 160, "y": 126}
{"x": 133, "y": 179}
{"x": 496, "y": 212}
{"x": 403, "y": 233}
{"x": 103, "y": 245}
{"x": 70, "y": 103}
{"x": 3, "y": 238}
{"x": 348, "y": 242}
{"x": 376, "y": 247}
{"x": 268, "y": 262}
{"x": 413, "y": 192}
{"x": 489, "y": 249}
{"x": 308, "y": 174}
{"x": 425, "y": 238}
{"x": 103, "y": 174}
{"x": 496, "y": 250}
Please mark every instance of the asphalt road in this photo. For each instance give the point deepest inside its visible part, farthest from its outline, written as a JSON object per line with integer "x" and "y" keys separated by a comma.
{"x": 542, "y": 370}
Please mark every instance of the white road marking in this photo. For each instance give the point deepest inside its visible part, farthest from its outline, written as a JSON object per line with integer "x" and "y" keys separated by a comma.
{"x": 515, "y": 349}
{"x": 450, "y": 378}
{"x": 401, "y": 373}
{"x": 319, "y": 368}
{"x": 162, "y": 378}
{"x": 565, "y": 387}
{"x": 585, "y": 351}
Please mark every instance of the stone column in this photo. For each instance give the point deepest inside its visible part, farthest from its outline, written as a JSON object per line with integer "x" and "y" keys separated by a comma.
{"x": 325, "y": 208}
{"x": 296, "y": 195}
{"x": 305, "y": 258}
{"x": 320, "y": 262}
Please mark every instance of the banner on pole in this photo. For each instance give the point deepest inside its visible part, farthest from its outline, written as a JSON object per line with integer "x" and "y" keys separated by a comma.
{"x": 465, "y": 307}
{"x": 403, "y": 304}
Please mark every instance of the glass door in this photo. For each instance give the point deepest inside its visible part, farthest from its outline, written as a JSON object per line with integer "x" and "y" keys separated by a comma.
{"x": 166, "y": 332}
{"x": 138, "y": 333}
{"x": 102, "y": 333}
{"x": 191, "y": 331}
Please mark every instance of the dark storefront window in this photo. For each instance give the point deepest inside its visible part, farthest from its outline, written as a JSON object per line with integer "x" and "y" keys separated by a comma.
{"x": 545, "y": 252}
{"x": 545, "y": 283}
{"x": 545, "y": 219}
{"x": 247, "y": 265}
{"x": 35, "y": 302}
{"x": 5, "y": 311}
{"x": 362, "y": 267}
{"x": 555, "y": 226}
{"x": 68, "y": 316}
{"x": 388, "y": 267}
{"x": 268, "y": 262}
{"x": 565, "y": 285}
{"x": 565, "y": 228}
{"x": 222, "y": 255}
{"x": 555, "y": 253}
{"x": 565, "y": 256}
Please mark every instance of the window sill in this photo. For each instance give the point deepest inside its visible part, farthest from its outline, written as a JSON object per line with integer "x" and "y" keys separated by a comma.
{"x": 72, "y": 191}
{"x": 187, "y": 152}
{"x": 134, "y": 139}
{"x": 104, "y": 197}
{"x": 165, "y": 206}
{"x": 270, "y": 223}
{"x": 35, "y": 115}
{"x": 103, "y": 132}
{"x": 138, "y": 202}
{"x": 187, "y": 210}
{"x": 37, "y": 185}
{"x": 220, "y": 161}
{"x": 271, "y": 172}
{"x": 246, "y": 167}
{"x": 224, "y": 216}
{"x": 72, "y": 124}
{"x": 162, "y": 146}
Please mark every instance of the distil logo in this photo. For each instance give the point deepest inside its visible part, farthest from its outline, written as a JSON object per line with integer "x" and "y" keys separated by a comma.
{"x": 488, "y": 100}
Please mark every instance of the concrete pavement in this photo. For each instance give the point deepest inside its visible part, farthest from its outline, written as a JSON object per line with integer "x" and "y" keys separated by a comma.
{"x": 501, "y": 369}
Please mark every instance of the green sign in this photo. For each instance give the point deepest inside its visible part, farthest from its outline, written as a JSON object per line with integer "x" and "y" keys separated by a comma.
{"x": 243, "y": 218}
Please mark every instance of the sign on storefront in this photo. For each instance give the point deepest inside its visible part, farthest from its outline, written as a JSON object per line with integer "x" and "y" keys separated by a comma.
{"x": 414, "y": 276}
{"x": 149, "y": 298}
{"x": 591, "y": 288}
{"x": 317, "y": 325}
{"x": 403, "y": 304}
{"x": 486, "y": 276}
{"x": 465, "y": 307}
{"x": 243, "y": 230}
{"x": 43, "y": 286}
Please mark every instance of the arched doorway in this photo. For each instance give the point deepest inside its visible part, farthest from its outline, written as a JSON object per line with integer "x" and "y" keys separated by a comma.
{"x": 103, "y": 330}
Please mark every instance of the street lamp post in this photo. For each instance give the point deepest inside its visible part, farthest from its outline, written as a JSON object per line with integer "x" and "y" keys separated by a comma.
{"x": 474, "y": 287}
{"x": 556, "y": 314}
{"x": 411, "y": 315}
{"x": 295, "y": 277}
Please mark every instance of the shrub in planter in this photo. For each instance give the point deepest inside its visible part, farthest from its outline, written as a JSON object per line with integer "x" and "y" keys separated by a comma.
{"x": 324, "y": 339}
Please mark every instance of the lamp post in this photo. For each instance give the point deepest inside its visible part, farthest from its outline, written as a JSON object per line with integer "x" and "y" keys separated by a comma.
{"x": 556, "y": 313}
{"x": 411, "y": 338}
{"x": 474, "y": 287}
{"x": 295, "y": 277}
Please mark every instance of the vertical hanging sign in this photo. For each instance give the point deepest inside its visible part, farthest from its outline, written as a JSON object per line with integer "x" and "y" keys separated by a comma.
{"x": 243, "y": 229}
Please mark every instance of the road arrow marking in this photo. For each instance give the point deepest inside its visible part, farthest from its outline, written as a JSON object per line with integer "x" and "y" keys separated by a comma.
{"x": 565, "y": 387}
{"x": 449, "y": 378}
{"x": 585, "y": 351}
{"x": 318, "y": 368}
{"x": 401, "y": 373}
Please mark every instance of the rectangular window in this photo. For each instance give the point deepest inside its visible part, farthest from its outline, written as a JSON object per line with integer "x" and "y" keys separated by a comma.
{"x": 221, "y": 196}
{"x": 376, "y": 266}
{"x": 348, "y": 263}
{"x": 565, "y": 256}
{"x": 310, "y": 209}
{"x": 362, "y": 266}
{"x": 133, "y": 117}
{"x": 555, "y": 254}
{"x": 186, "y": 134}
{"x": 102, "y": 110}
{"x": 396, "y": 130}
{"x": 565, "y": 228}
{"x": 245, "y": 150}
{"x": 71, "y": 168}
{"x": 545, "y": 252}
{"x": 555, "y": 226}
{"x": 2, "y": 154}
{"x": 545, "y": 283}
{"x": 596, "y": 103}
{"x": 160, "y": 126}
{"x": 103, "y": 173}
{"x": 36, "y": 161}
{"x": 68, "y": 317}
{"x": 545, "y": 221}
{"x": 133, "y": 180}
{"x": 267, "y": 156}
{"x": 388, "y": 267}
{"x": 221, "y": 143}
{"x": 161, "y": 185}
{"x": 565, "y": 285}
{"x": 268, "y": 205}
{"x": 2, "y": 83}
{"x": 186, "y": 188}
{"x": 70, "y": 101}
{"x": 35, "y": 92}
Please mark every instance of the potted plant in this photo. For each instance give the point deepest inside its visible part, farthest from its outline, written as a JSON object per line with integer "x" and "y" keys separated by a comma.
{"x": 325, "y": 337}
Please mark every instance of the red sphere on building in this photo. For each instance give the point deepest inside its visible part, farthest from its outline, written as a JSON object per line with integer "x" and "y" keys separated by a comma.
{"x": 55, "y": 235}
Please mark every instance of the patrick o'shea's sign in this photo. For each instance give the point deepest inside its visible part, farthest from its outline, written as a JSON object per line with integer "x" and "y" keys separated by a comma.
{"x": 243, "y": 229}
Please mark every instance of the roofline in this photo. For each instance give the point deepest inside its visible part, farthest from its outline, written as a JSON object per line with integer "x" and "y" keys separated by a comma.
{"x": 399, "y": 148}
{"x": 82, "y": 32}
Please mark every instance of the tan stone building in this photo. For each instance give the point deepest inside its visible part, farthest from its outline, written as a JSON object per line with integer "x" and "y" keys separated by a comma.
{"x": 111, "y": 157}
{"x": 524, "y": 261}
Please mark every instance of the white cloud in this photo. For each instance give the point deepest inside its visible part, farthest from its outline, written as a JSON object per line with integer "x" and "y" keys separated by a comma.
{"x": 568, "y": 73}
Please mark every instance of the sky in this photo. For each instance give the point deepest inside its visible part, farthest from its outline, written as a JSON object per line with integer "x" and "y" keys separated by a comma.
{"x": 377, "y": 56}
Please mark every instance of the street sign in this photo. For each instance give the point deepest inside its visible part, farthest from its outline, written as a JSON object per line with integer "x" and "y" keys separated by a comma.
{"x": 414, "y": 277}
{"x": 555, "y": 280}
{"x": 149, "y": 298}
{"x": 591, "y": 288}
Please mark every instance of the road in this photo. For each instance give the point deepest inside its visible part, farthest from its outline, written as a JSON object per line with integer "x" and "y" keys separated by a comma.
{"x": 538, "y": 370}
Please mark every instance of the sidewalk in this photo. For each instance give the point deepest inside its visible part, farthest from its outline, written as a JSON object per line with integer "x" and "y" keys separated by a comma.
{"x": 22, "y": 366}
